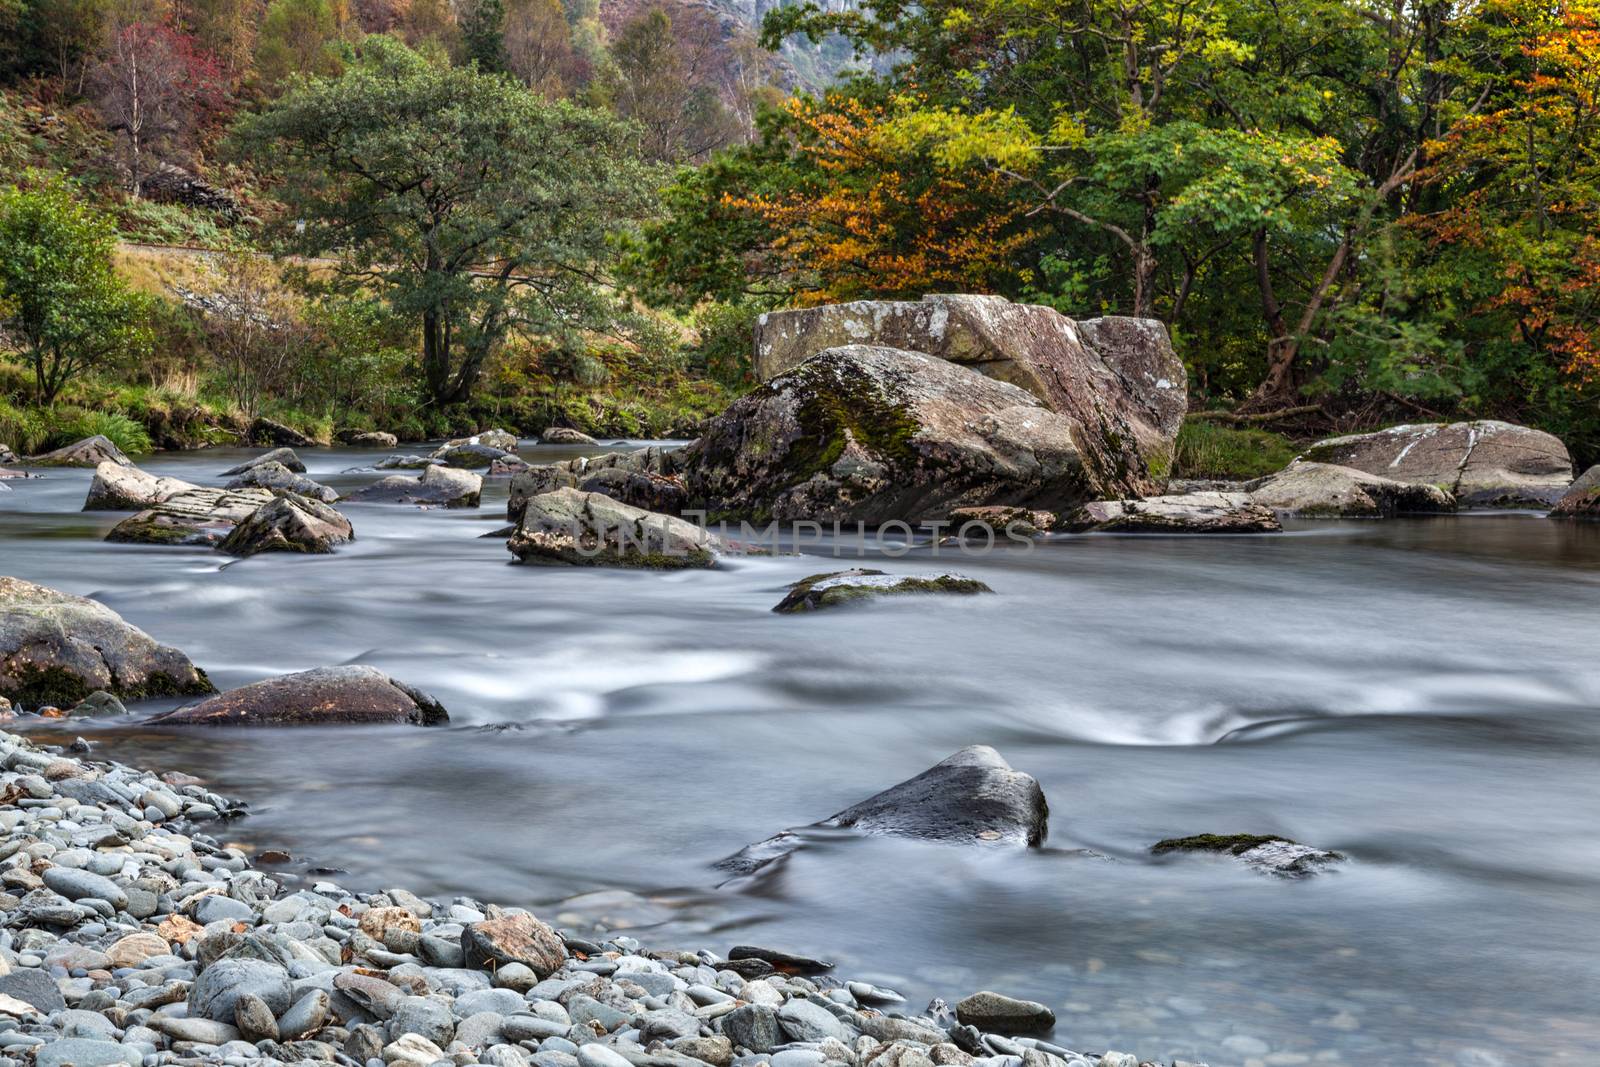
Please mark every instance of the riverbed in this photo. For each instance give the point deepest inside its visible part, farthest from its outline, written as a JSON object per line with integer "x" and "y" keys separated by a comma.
{"x": 1420, "y": 695}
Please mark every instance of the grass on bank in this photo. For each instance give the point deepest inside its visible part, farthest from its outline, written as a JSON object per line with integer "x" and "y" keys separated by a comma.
{"x": 1209, "y": 449}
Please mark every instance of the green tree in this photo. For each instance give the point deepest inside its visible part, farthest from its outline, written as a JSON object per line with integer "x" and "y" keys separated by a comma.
{"x": 470, "y": 204}
{"x": 62, "y": 307}
{"x": 296, "y": 38}
{"x": 483, "y": 34}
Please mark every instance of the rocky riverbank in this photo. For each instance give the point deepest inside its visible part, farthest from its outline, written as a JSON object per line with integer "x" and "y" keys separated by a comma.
{"x": 134, "y": 934}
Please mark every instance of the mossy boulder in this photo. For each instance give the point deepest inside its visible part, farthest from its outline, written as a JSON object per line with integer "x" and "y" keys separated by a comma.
{"x": 89, "y": 452}
{"x": 569, "y": 527}
{"x": 869, "y": 434}
{"x": 289, "y": 523}
{"x": 859, "y": 584}
{"x": 1267, "y": 853}
{"x": 275, "y": 477}
{"x": 199, "y": 516}
{"x": 56, "y": 648}
{"x": 1188, "y": 513}
{"x": 1582, "y": 498}
{"x": 1117, "y": 379}
{"x": 1326, "y": 490}
{"x": 325, "y": 695}
{"x": 1483, "y": 464}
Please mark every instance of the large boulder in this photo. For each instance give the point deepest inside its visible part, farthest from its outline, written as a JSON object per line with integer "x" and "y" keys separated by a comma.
{"x": 498, "y": 440}
{"x": 1118, "y": 379}
{"x": 367, "y": 438}
{"x": 470, "y": 456}
{"x": 200, "y": 516}
{"x": 870, "y": 434}
{"x": 445, "y": 487}
{"x": 1189, "y": 513}
{"x": 119, "y": 488}
{"x": 352, "y": 694}
{"x": 57, "y": 649}
{"x": 265, "y": 431}
{"x": 1481, "y": 464}
{"x": 660, "y": 490}
{"x": 574, "y": 528}
{"x": 90, "y": 452}
{"x": 282, "y": 456}
{"x": 853, "y": 586}
{"x": 277, "y": 478}
{"x": 1582, "y": 498}
{"x": 972, "y": 798}
{"x": 1327, "y": 489}
{"x": 565, "y": 435}
{"x": 289, "y": 523}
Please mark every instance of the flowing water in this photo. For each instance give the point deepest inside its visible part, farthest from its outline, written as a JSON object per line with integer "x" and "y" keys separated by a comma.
{"x": 1422, "y": 695}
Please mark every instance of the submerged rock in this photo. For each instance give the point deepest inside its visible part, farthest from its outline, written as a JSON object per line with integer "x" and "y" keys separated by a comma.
{"x": 1194, "y": 513}
{"x": 846, "y": 587}
{"x": 57, "y": 649}
{"x": 445, "y": 487}
{"x": 1117, "y": 379}
{"x": 871, "y": 434}
{"x": 1582, "y": 498}
{"x": 284, "y": 456}
{"x": 353, "y": 694}
{"x": 116, "y": 487}
{"x": 1327, "y": 489}
{"x": 1482, "y": 464}
{"x": 562, "y": 435}
{"x": 973, "y": 797}
{"x": 367, "y": 438}
{"x": 1266, "y": 853}
{"x": 274, "y": 476}
{"x": 192, "y": 517}
{"x": 289, "y": 523}
{"x": 587, "y": 529}
{"x": 90, "y": 452}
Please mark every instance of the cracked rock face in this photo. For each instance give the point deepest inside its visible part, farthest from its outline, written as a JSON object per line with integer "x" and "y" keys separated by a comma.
{"x": 116, "y": 487}
{"x": 289, "y": 524}
{"x": 351, "y": 694}
{"x": 1118, "y": 379}
{"x": 198, "y": 516}
{"x": 1484, "y": 464}
{"x": 274, "y": 476}
{"x": 1582, "y": 498}
{"x": 1193, "y": 513}
{"x": 57, "y": 648}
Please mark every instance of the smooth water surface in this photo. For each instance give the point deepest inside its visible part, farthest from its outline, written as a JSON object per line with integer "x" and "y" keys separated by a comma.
{"x": 1422, "y": 695}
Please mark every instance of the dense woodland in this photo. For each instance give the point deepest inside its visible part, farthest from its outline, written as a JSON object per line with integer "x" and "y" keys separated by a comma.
{"x": 427, "y": 214}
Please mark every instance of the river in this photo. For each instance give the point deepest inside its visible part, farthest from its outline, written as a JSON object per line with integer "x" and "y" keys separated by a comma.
{"x": 1422, "y": 695}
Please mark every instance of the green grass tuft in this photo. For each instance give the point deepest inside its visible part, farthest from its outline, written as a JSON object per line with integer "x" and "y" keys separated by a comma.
{"x": 1210, "y": 450}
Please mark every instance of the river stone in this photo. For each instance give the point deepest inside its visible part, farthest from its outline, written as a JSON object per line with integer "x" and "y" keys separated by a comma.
{"x": 86, "y": 1052}
{"x": 753, "y": 1026}
{"x": 514, "y": 938}
{"x": 662, "y": 487}
{"x": 216, "y": 990}
{"x": 1484, "y": 464}
{"x": 33, "y": 986}
{"x": 254, "y": 1018}
{"x": 89, "y": 452}
{"x": 120, "y": 487}
{"x": 437, "y": 487}
{"x": 306, "y": 1016}
{"x": 805, "y": 1020}
{"x": 1582, "y": 498}
{"x": 641, "y": 489}
{"x": 1326, "y": 489}
{"x": 283, "y": 456}
{"x": 497, "y": 439}
{"x": 469, "y": 456}
{"x": 265, "y": 431}
{"x": 349, "y": 694}
{"x": 973, "y": 797}
{"x": 76, "y": 885}
{"x": 57, "y": 649}
{"x": 846, "y": 587}
{"x": 563, "y": 435}
{"x": 574, "y": 528}
{"x": 1191, "y": 513}
{"x": 1266, "y": 853}
{"x": 1117, "y": 379}
{"x": 134, "y": 949}
{"x": 422, "y": 1015}
{"x": 871, "y": 434}
{"x": 997, "y": 1013}
{"x": 192, "y": 517}
{"x": 367, "y": 438}
{"x": 274, "y": 476}
{"x": 289, "y": 524}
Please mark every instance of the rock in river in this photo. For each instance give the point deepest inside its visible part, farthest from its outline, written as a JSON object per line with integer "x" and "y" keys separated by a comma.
{"x": 199, "y": 516}
{"x": 1194, "y": 513}
{"x": 586, "y": 529}
{"x": 870, "y": 434}
{"x": 973, "y": 797}
{"x": 845, "y": 587}
{"x": 117, "y": 487}
{"x": 352, "y": 694}
{"x": 645, "y": 478}
{"x": 998, "y": 1013}
{"x": 1481, "y": 464}
{"x": 275, "y": 477}
{"x": 1266, "y": 853}
{"x": 284, "y": 456}
{"x": 470, "y": 456}
{"x": 1326, "y": 489}
{"x": 289, "y": 523}
{"x": 516, "y": 937}
{"x": 1117, "y": 379}
{"x": 563, "y": 435}
{"x": 367, "y": 438}
{"x": 436, "y": 487}
{"x": 57, "y": 649}
{"x": 265, "y": 431}
{"x": 90, "y": 452}
{"x": 1582, "y": 498}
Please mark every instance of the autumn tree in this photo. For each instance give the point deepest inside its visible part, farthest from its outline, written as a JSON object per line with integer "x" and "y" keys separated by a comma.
{"x": 297, "y": 38}
{"x": 668, "y": 75}
{"x": 538, "y": 49}
{"x": 253, "y": 329}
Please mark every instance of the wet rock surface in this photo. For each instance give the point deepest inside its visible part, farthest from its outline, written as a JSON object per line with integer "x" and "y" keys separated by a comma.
{"x": 352, "y": 694}
{"x": 437, "y": 486}
{"x": 275, "y": 477}
{"x": 1191, "y": 513}
{"x": 283, "y": 456}
{"x": 57, "y": 648}
{"x": 861, "y": 584}
{"x": 974, "y": 797}
{"x": 1267, "y": 853}
{"x": 289, "y": 523}
{"x": 573, "y": 528}
{"x": 192, "y": 517}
